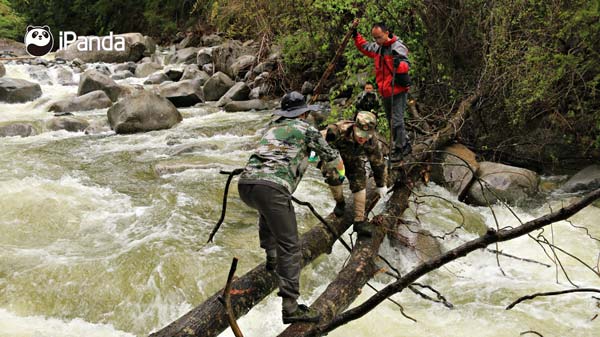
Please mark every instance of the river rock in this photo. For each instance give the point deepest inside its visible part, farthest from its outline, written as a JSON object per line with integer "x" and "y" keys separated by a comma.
{"x": 253, "y": 104}
{"x": 2, "y": 70}
{"x": 585, "y": 180}
{"x": 217, "y": 86}
{"x": 17, "y": 129}
{"x": 186, "y": 56}
{"x": 415, "y": 242}
{"x": 64, "y": 76}
{"x": 239, "y": 92}
{"x": 121, "y": 75}
{"x": 71, "y": 124}
{"x": 145, "y": 69}
{"x": 136, "y": 45}
{"x": 508, "y": 183}
{"x": 97, "y": 126}
{"x": 211, "y": 40}
{"x": 103, "y": 69}
{"x": 456, "y": 168}
{"x": 129, "y": 66}
{"x": 183, "y": 93}
{"x": 92, "y": 100}
{"x": 40, "y": 75}
{"x": 225, "y": 55}
{"x": 209, "y": 69}
{"x": 12, "y": 48}
{"x": 191, "y": 72}
{"x": 143, "y": 111}
{"x": 242, "y": 65}
{"x": 13, "y": 90}
{"x": 174, "y": 74}
{"x": 204, "y": 56}
{"x": 92, "y": 80}
{"x": 157, "y": 78}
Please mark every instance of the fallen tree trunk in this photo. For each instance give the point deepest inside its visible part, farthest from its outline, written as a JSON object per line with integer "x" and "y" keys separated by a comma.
{"x": 210, "y": 318}
{"x": 361, "y": 267}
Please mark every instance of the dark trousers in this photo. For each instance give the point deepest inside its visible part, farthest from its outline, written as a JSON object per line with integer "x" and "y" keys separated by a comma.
{"x": 278, "y": 231}
{"x": 394, "y": 107}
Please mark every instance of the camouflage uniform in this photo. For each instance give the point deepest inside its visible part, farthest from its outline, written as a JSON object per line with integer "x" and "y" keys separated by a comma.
{"x": 341, "y": 136}
{"x": 270, "y": 177}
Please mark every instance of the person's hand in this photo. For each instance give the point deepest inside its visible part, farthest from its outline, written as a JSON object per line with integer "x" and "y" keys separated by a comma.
{"x": 381, "y": 191}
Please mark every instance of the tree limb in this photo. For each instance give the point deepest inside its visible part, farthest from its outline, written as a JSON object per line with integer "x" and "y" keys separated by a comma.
{"x": 552, "y": 293}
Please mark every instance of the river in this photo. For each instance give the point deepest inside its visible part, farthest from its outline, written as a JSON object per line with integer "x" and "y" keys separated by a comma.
{"x": 97, "y": 240}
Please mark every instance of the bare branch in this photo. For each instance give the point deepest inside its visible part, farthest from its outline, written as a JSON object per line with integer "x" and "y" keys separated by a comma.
{"x": 552, "y": 293}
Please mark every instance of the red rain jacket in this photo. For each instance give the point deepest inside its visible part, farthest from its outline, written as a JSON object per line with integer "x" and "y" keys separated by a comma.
{"x": 392, "y": 52}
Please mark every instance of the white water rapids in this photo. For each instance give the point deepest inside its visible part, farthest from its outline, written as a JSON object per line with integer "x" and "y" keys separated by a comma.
{"x": 94, "y": 242}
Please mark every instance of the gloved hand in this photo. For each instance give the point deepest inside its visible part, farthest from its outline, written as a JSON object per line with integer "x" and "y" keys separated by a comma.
{"x": 313, "y": 158}
{"x": 354, "y": 25}
{"x": 382, "y": 191}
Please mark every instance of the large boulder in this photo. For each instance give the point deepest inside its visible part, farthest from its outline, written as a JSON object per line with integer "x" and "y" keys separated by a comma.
{"x": 71, "y": 124}
{"x": 183, "y": 93}
{"x": 143, "y": 111}
{"x": 211, "y": 40}
{"x": 585, "y": 180}
{"x": 92, "y": 80}
{"x": 457, "y": 165}
{"x": 502, "y": 182}
{"x": 12, "y": 48}
{"x": 186, "y": 56}
{"x": 191, "y": 72}
{"x": 157, "y": 78}
{"x": 129, "y": 66}
{"x": 121, "y": 75}
{"x": 239, "y": 92}
{"x": 92, "y": 100}
{"x": 2, "y": 70}
{"x": 145, "y": 69}
{"x": 64, "y": 76}
{"x": 242, "y": 65}
{"x": 13, "y": 90}
{"x": 204, "y": 56}
{"x": 217, "y": 86}
{"x": 225, "y": 55}
{"x": 135, "y": 46}
{"x": 17, "y": 129}
{"x": 253, "y": 104}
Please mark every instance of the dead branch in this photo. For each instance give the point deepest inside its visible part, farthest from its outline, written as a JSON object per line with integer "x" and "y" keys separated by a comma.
{"x": 552, "y": 293}
{"x": 492, "y": 236}
{"x": 226, "y": 300}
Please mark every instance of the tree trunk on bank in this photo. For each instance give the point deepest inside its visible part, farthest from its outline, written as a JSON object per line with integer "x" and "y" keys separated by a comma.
{"x": 361, "y": 267}
{"x": 210, "y": 317}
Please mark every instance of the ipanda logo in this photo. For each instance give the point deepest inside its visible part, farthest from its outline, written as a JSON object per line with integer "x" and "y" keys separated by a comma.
{"x": 39, "y": 41}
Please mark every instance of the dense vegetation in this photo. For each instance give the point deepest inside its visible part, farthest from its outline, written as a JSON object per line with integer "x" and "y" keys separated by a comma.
{"x": 535, "y": 63}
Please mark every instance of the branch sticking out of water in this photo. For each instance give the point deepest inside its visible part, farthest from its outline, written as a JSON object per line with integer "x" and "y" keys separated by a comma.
{"x": 552, "y": 293}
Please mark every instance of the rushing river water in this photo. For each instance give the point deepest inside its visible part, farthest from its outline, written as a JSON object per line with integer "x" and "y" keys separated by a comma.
{"x": 97, "y": 238}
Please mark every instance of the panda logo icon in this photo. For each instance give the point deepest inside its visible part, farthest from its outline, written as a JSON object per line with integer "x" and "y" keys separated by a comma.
{"x": 38, "y": 40}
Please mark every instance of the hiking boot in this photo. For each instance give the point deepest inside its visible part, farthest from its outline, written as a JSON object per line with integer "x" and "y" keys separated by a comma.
{"x": 339, "y": 209}
{"x": 302, "y": 314}
{"x": 271, "y": 264}
{"x": 363, "y": 228}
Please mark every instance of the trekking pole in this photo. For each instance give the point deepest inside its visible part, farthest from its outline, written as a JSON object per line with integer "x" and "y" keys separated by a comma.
{"x": 224, "y": 208}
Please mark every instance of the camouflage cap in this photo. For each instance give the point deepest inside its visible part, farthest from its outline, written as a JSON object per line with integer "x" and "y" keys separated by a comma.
{"x": 365, "y": 124}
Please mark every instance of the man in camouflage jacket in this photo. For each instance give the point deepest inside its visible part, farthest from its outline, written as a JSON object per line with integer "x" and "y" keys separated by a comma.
{"x": 357, "y": 142}
{"x": 270, "y": 177}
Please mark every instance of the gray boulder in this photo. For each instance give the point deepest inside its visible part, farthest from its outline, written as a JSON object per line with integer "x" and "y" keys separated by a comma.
{"x": 253, "y": 104}
{"x": 225, "y": 55}
{"x": 239, "y": 92}
{"x": 40, "y": 75}
{"x": 97, "y": 127}
{"x": 208, "y": 68}
{"x": 217, "y": 86}
{"x": 145, "y": 69}
{"x": 186, "y": 56}
{"x": 307, "y": 88}
{"x": 242, "y": 65}
{"x": 92, "y": 80}
{"x": 183, "y": 93}
{"x": 17, "y": 129}
{"x": 502, "y": 182}
{"x": 134, "y": 48}
{"x": 174, "y": 74}
{"x": 456, "y": 170}
{"x": 92, "y": 100}
{"x": 585, "y": 180}
{"x": 143, "y": 111}
{"x": 191, "y": 72}
{"x": 71, "y": 124}
{"x": 64, "y": 76}
{"x": 129, "y": 66}
{"x": 211, "y": 40}
{"x": 13, "y": 90}
{"x": 121, "y": 75}
{"x": 2, "y": 70}
{"x": 204, "y": 56}
{"x": 157, "y": 78}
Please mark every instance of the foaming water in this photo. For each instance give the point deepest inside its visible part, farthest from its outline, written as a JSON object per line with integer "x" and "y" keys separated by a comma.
{"x": 104, "y": 235}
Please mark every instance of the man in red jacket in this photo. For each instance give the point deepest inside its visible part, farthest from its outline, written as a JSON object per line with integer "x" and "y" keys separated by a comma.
{"x": 393, "y": 81}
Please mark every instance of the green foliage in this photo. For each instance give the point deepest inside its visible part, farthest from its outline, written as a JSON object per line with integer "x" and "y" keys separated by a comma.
{"x": 12, "y": 25}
